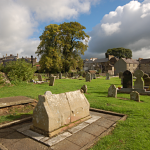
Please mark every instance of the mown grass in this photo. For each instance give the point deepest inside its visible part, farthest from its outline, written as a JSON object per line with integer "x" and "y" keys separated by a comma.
{"x": 131, "y": 134}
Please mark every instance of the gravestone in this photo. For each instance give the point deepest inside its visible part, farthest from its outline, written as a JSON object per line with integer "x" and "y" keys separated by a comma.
{"x": 66, "y": 75}
{"x": 88, "y": 77}
{"x": 39, "y": 77}
{"x": 57, "y": 76}
{"x": 107, "y": 76}
{"x": 94, "y": 76}
{"x": 134, "y": 95}
{"x": 91, "y": 76}
{"x": 112, "y": 91}
{"x": 120, "y": 74}
{"x": 84, "y": 88}
{"x": 84, "y": 75}
{"x": 127, "y": 79}
{"x": 122, "y": 80}
{"x": 71, "y": 74}
{"x": 146, "y": 79}
{"x": 138, "y": 84}
{"x": 60, "y": 75}
{"x": 54, "y": 111}
{"x": 52, "y": 80}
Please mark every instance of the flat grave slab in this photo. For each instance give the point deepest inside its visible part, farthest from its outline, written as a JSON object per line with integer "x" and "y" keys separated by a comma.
{"x": 10, "y": 101}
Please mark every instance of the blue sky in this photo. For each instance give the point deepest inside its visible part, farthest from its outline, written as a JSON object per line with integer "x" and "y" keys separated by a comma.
{"x": 109, "y": 23}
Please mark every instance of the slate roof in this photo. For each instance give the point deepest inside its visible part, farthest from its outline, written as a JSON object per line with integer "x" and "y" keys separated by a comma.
{"x": 145, "y": 61}
{"x": 89, "y": 61}
{"x": 130, "y": 61}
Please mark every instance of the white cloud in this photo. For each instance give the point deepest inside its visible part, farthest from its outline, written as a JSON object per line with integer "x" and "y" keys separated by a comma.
{"x": 127, "y": 26}
{"x": 19, "y": 20}
{"x": 109, "y": 29}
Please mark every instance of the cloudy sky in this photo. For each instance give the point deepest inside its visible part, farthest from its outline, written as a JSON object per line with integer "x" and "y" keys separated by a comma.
{"x": 109, "y": 23}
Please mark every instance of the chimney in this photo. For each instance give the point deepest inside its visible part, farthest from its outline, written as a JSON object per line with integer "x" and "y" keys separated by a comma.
{"x": 3, "y": 56}
{"x": 17, "y": 55}
{"x": 6, "y": 55}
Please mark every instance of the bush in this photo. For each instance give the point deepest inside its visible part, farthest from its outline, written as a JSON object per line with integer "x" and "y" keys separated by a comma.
{"x": 19, "y": 70}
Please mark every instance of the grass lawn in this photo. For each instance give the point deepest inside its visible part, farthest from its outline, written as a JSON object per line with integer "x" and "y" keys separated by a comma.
{"x": 131, "y": 134}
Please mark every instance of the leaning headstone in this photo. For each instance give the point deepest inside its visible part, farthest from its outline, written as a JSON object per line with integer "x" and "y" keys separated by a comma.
{"x": 39, "y": 77}
{"x": 88, "y": 77}
{"x": 107, "y": 76}
{"x": 52, "y": 80}
{"x": 84, "y": 88}
{"x": 127, "y": 79}
{"x": 54, "y": 111}
{"x": 147, "y": 81}
{"x": 120, "y": 74}
{"x": 94, "y": 76}
{"x": 112, "y": 91}
{"x": 138, "y": 84}
{"x": 134, "y": 95}
{"x": 60, "y": 75}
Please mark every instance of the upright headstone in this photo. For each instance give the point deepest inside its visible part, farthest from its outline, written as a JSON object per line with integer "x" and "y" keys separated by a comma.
{"x": 60, "y": 75}
{"x": 94, "y": 76}
{"x": 84, "y": 75}
{"x": 91, "y": 76}
{"x": 84, "y": 88}
{"x": 134, "y": 95}
{"x": 88, "y": 77}
{"x": 139, "y": 84}
{"x": 39, "y": 77}
{"x": 107, "y": 76}
{"x": 71, "y": 74}
{"x": 57, "y": 76}
{"x": 112, "y": 91}
{"x": 127, "y": 79}
{"x": 120, "y": 74}
{"x": 52, "y": 80}
{"x": 66, "y": 75}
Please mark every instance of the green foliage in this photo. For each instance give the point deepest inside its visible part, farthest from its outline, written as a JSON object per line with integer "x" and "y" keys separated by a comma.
{"x": 19, "y": 70}
{"x": 119, "y": 52}
{"x": 1, "y": 79}
{"x": 61, "y": 46}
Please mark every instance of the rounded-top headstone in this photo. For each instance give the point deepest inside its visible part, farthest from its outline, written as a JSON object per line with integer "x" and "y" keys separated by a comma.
{"x": 138, "y": 73}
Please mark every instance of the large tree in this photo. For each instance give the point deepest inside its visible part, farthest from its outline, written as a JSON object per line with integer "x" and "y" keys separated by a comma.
{"x": 119, "y": 52}
{"x": 65, "y": 41}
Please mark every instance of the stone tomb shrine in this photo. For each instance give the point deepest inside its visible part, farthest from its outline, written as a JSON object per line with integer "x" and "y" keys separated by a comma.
{"x": 53, "y": 112}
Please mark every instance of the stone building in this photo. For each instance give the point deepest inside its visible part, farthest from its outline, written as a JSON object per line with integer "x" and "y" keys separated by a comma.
{"x": 145, "y": 65}
{"x": 104, "y": 64}
{"x": 6, "y": 59}
{"x": 125, "y": 64}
